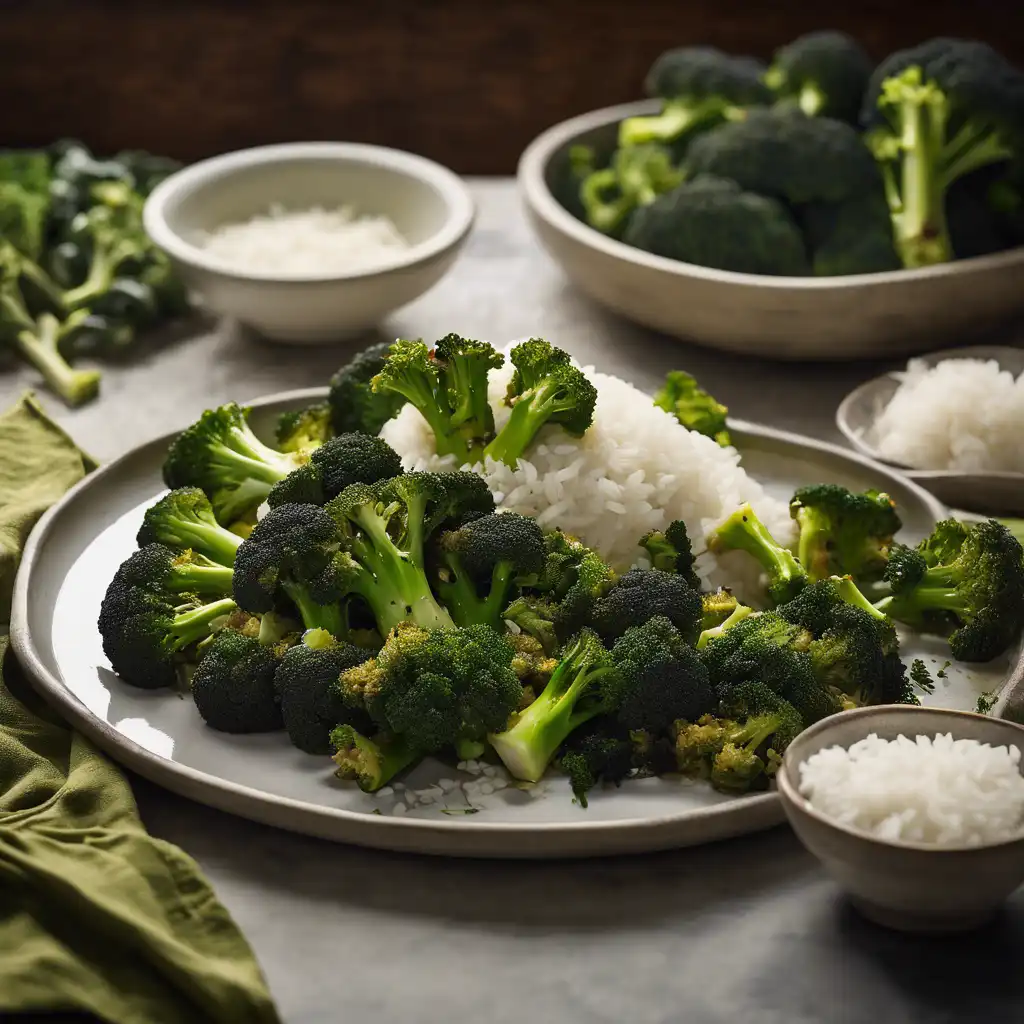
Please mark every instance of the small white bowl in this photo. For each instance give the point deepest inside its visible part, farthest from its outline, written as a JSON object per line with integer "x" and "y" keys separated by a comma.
{"x": 902, "y": 885}
{"x": 429, "y": 205}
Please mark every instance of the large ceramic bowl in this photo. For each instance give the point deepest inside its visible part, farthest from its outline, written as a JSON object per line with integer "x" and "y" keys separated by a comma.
{"x": 860, "y": 316}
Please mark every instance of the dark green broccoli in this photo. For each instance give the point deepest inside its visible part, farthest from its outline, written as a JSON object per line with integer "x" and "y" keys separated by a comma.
{"x": 937, "y": 112}
{"x": 976, "y": 226}
{"x": 711, "y": 222}
{"x": 843, "y": 533}
{"x": 682, "y": 396}
{"x": 545, "y": 388}
{"x": 221, "y": 455}
{"x": 921, "y": 677}
{"x": 744, "y": 531}
{"x": 233, "y": 685}
{"x": 823, "y": 74}
{"x": 342, "y": 460}
{"x": 303, "y": 430}
{"x": 354, "y": 403}
{"x": 701, "y": 86}
{"x": 438, "y": 688}
{"x": 670, "y": 551}
{"x": 156, "y": 567}
{"x": 183, "y": 520}
{"x": 852, "y": 237}
{"x": 965, "y": 581}
{"x": 592, "y": 756}
{"x": 306, "y": 683}
{"x": 789, "y": 157}
{"x": 814, "y": 606}
{"x": 642, "y": 594}
{"x": 479, "y": 563}
{"x": 447, "y": 386}
{"x": 372, "y": 762}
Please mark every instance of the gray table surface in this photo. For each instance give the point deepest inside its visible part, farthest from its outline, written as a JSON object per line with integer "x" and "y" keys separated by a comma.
{"x": 748, "y": 930}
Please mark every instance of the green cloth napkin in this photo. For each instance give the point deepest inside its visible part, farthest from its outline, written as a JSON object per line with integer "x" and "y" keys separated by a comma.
{"x": 96, "y": 916}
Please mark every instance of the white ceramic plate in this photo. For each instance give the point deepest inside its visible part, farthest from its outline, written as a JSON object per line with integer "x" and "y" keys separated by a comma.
{"x": 72, "y": 554}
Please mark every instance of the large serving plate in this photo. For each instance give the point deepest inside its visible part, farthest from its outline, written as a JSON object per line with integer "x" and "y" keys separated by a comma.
{"x": 72, "y": 554}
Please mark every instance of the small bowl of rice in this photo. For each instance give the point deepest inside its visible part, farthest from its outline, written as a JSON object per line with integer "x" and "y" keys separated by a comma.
{"x": 918, "y": 813}
{"x": 310, "y": 242}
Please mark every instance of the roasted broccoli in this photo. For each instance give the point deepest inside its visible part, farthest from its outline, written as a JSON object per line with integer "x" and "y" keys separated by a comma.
{"x": 843, "y": 533}
{"x": 712, "y": 222}
{"x": 682, "y": 396}
{"x": 158, "y": 568}
{"x": 937, "y": 112}
{"x": 643, "y": 594}
{"x": 592, "y": 756}
{"x": 221, "y": 455}
{"x": 354, "y": 403}
{"x": 670, "y": 551}
{"x": 964, "y": 581}
{"x": 183, "y": 520}
{"x": 744, "y": 531}
{"x": 372, "y": 762}
{"x": 822, "y": 73}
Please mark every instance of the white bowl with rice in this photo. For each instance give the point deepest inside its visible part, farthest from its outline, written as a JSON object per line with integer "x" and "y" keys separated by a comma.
{"x": 918, "y": 813}
{"x": 310, "y": 242}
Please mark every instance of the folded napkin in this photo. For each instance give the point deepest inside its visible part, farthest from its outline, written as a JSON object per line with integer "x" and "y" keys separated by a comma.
{"x": 98, "y": 919}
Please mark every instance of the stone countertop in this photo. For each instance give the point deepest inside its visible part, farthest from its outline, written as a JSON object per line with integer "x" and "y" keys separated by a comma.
{"x": 748, "y": 930}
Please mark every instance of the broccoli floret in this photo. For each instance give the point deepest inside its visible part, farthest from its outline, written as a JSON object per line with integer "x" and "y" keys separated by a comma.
{"x": 371, "y": 762}
{"x": 788, "y": 156}
{"x": 967, "y": 582}
{"x": 448, "y": 385}
{"x": 222, "y": 456}
{"x": 642, "y": 594}
{"x": 342, "y": 460}
{"x": 532, "y": 665}
{"x": 306, "y": 683}
{"x": 183, "y": 520}
{"x": 843, "y": 533}
{"x": 744, "y": 531}
{"x": 480, "y": 562}
{"x": 814, "y": 606}
{"x": 663, "y": 679}
{"x": 233, "y": 685}
{"x": 438, "y": 688}
{"x": 592, "y": 756}
{"x": 851, "y": 237}
{"x": 354, "y": 404}
{"x": 937, "y": 112}
{"x": 708, "y": 632}
{"x": 712, "y": 222}
{"x": 156, "y": 567}
{"x": 670, "y": 551}
{"x": 536, "y": 617}
{"x": 545, "y": 388}
{"x": 698, "y": 742}
{"x": 823, "y": 74}
{"x": 302, "y": 430}
{"x": 682, "y": 396}
{"x": 702, "y": 86}
{"x": 717, "y": 606}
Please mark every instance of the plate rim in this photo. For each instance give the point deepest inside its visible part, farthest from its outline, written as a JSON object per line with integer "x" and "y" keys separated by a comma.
{"x": 455, "y": 838}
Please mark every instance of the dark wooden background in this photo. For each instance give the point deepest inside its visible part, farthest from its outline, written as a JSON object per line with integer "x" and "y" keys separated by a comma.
{"x": 467, "y": 82}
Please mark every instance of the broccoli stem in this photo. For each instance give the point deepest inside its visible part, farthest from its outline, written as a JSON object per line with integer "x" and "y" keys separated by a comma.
{"x": 194, "y": 624}
{"x": 812, "y": 546}
{"x": 253, "y": 458}
{"x": 811, "y": 100}
{"x": 850, "y": 593}
{"x": 605, "y": 208}
{"x": 202, "y": 579}
{"x": 218, "y": 544}
{"x": 738, "y": 615}
{"x": 317, "y": 616}
{"x": 38, "y": 344}
{"x": 107, "y": 257}
{"x": 529, "y": 414}
{"x": 459, "y": 595}
{"x": 371, "y": 762}
{"x": 675, "y": 120}
{"x": 419, "y": 391}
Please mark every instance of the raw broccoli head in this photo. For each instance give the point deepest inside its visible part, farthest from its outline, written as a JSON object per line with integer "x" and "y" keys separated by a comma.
{"x": 353, "y": 403}
{"x": 340, "y": 461}
{"x": 711, "y": 222}
{"x": 545, "y": 388}
{"x": 438, "y": 688}
{"x": 852, "y": 237}
{"x": 183, "y": 520}
{"x": 682, "y": 396}
{"x": 304, "y": 429}
{"x": 158, "y": 568}
{"x": 823, "y": 74}
{"x": 663, "y": 679}
{"x": 479, "y": 563}
{"x": 643, "y": 594}
{"x": 788, "y": 156}
{"x": 844, "y": 533}
{"x": 669, "y": 550}
{"x": 223, "y": 457}
{"x": 233, "y": 685}
{"x": 970, "y": 588}
{"x": 312, "y": 703}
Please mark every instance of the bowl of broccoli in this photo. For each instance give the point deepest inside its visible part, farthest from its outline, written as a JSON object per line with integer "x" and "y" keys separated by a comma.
{"x": 816, "y": 207}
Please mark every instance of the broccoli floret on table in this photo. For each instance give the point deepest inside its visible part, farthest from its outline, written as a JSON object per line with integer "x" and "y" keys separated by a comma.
{"x": 183, "y": 520}
{"x": 682, "y": 396}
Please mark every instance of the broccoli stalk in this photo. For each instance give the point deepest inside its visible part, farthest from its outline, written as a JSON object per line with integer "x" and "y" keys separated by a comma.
{"x": 737, "y": 615}
{"x": 372, "y": 763}
{"x": 183, "y": 520}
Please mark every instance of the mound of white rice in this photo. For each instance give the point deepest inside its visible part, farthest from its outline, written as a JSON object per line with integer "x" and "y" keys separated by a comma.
{"x": 962, "y": 414}
{"x": 924, "y": 790}
{"x": 636, "y": 469}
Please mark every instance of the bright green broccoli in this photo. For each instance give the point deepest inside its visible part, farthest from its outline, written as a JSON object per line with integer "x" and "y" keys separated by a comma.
{"x": 682, "y": 396}
{"x": 718, "y": 605}
{"x": 713, "y": 623}
{"x": 464, "y": 367}
{"x": 843, "y": 533}
{"x": 221, "y": 455}
{"x": 354, "y": 403}
{"x": 545, "y": 388}
{"x": 183, "y": 520}
{"x": 937, "y": 112}
{"x": 302, "y": 430}
{"x": 965, "y": 581}
{"x": 156, "y": 567}
{"x": 744, "y": 531}
{"x": 643, "y": 594}
{"x": 670, "y": 551}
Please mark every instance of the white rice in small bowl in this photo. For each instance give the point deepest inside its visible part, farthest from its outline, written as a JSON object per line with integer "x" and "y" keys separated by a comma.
{"x": 636, "y": 469}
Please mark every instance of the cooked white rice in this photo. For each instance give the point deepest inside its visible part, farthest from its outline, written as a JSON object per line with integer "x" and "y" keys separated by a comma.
{"x": 934, "y": 790}
{"x": 636, "y": 469}
{"x": 962, "y": 414}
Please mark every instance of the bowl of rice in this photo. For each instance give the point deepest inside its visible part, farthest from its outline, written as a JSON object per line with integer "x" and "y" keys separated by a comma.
{"x": 310, "y": 242}
{"x": 918, "y": 813}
